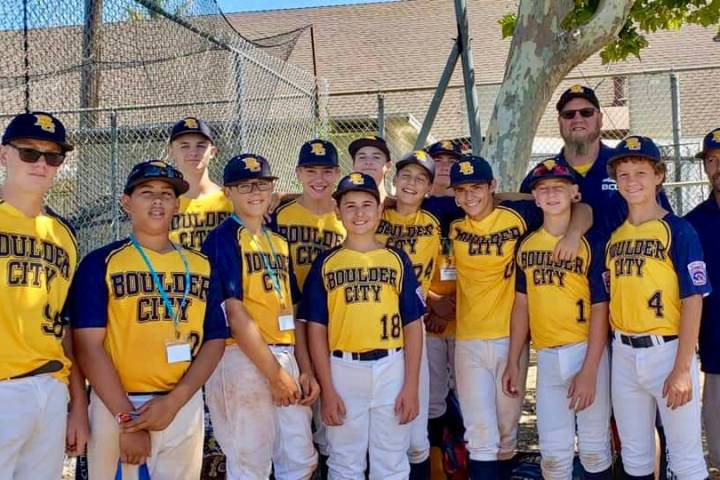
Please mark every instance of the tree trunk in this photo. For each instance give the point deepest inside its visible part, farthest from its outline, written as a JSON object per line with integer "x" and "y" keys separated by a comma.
{"x": 542, "y": 53}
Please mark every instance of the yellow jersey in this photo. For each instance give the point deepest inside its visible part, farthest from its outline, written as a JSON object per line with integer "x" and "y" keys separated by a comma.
{"x": 307, "y": 234}
{"x": 651, "y": 267}
{"x": 114, "y": 289}
{"x": 444, "y": 286}
{"x": 364, "y": 298}
{"x": 484, "y": 253}
{"x": 38, "y": 257}
{"x": 559, "y": 293}
{"x": 246, "y": 267}
{"x": 197, "y": 217}
{"x": 417, "y": 234}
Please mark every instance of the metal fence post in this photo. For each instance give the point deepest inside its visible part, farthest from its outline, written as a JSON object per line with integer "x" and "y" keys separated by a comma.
{"x": 381, "y": 114}
{"x": 676, "y": 131}
{"x": 113, "y": 176}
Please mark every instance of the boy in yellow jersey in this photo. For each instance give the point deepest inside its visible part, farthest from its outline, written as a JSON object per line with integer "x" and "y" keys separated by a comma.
{"x": 310, "y": 225}
{"x": 413, "y": 225}
{"x": 364, "y": 309}
{"x": 38, "y": 256}
{"x": 657, "y": 280}
{"x": 483, "y": 245}
{"x": 563, "y": 306}
{"x": 145, "y": 338}
{"x": 204, "y": 206}
{"x": 371, "y": 156}
{"x": 260, "y": 414}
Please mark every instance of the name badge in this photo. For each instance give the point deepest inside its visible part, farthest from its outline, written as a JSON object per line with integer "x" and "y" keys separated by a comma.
{"x": 448, "y": 274}
{"x": 178, "y": 352}
{"x": 286, "y": 322}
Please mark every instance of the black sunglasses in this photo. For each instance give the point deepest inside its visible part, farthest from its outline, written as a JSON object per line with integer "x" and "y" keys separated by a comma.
{"x": 30, "y": 155}
{"x": 154, "y": 171}
{"x": 584, "y": 112}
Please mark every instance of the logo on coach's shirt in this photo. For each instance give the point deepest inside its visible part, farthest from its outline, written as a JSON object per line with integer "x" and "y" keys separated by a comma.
{"x": 609, "y": 184}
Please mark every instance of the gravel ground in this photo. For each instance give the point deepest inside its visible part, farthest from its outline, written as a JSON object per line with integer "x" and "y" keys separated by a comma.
{"x": 527, "y": 433}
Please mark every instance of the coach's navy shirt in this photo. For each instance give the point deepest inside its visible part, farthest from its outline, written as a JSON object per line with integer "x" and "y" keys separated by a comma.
{"x": 600, "y": 192}
{"x": 706, "y": 220}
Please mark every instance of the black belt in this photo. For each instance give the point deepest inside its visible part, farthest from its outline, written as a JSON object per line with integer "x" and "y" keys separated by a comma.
{"x": 50, "y": 367}
{"x": 366, "y": 356}
{"x": 645, "y": 341}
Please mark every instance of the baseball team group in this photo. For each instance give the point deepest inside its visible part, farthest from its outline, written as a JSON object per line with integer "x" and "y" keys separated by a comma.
{"x": 323, "y": 333}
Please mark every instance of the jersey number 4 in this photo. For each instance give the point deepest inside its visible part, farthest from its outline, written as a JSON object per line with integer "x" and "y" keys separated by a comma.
{"x": 393, "y": 329}
{"x": 655, "y": 302}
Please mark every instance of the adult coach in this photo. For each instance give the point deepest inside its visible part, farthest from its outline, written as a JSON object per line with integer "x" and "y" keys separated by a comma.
{"x": 38, "y": 261}
{"x": 580, "y": 122}
{"x": 706, "y": 220}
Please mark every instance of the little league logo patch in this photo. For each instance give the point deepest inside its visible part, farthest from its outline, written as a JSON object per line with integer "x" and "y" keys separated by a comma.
{"x": 446, "y": 144}
{"x": 356, "y": 178}
{"x": 698, "y": 273}
{"x": 421, "y": 155}
{"x": 191, "y": 123}
{"x": 577, "y": 89}
{"x": 466, "y": 168}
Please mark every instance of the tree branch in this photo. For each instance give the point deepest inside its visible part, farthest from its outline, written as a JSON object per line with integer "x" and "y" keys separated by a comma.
{"x": 602, "y": 28}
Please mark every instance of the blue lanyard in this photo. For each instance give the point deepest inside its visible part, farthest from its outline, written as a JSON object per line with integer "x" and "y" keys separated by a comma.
{"x": 270, "y": 270}
{"x": 159, "y": 286}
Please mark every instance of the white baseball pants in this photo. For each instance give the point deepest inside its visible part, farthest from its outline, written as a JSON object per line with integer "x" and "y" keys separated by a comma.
{"x": 419, "y": 450}
{"x": 637, "y": 379}
{"x": 176, "y": 451}
{"x": 369, "y": 390}
{"x": 33, "y": 418}
{"x": 490, "y": 417}
{"x": 252, "y": 432}
{"x": 557, "y": 423}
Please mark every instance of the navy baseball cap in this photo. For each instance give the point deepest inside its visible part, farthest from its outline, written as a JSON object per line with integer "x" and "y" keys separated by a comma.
{"x": 577, "y": 91}
{"x": 356, "y": 182}
{"x": 318, "y": 153}
{"x": 710, "y": 142}
{"x": 246, "y": 166}
{"x": 156, "y": 170}
{"x": 636, "y": 146}
{"x": 447, "y": 147}
{"x": 37, "y": 126}
{"x": 369, "y": 141}
{"x": 550, "y": 168}
{"x": 470, "y": 169}
{"x": 191, "y": 125}
{"x": 420, "y": 158}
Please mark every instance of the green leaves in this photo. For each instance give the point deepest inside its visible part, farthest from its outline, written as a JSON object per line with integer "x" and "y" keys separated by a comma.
{"x": 646, "y": 16}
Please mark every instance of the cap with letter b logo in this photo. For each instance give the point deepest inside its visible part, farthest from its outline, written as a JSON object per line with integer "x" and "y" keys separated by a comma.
{"x": 246, "y": 166}
{"x": 318, "y": 153}
{"x": 37, "y": 126}
{"x": 356, "y": 182}
{"x": 470, "y": 169}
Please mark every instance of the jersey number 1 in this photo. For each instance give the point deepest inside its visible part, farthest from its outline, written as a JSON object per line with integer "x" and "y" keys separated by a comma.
{"x": 394, "y": 327}
{"x": 581, "y": 311}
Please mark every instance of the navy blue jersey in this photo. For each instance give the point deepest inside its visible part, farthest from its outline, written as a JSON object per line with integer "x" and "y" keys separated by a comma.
{"x": 705, "y": 218}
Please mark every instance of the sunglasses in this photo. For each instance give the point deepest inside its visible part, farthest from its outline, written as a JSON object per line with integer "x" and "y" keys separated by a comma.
{"x": 30, "y": 155}
{"x": 245, "y": 188}
{"x": 584, "y": 112}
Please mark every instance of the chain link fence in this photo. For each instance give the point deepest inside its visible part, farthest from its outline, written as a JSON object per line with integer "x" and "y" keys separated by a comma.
{"x": 671, "y": 107}
{"x": 120, "y": 73}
